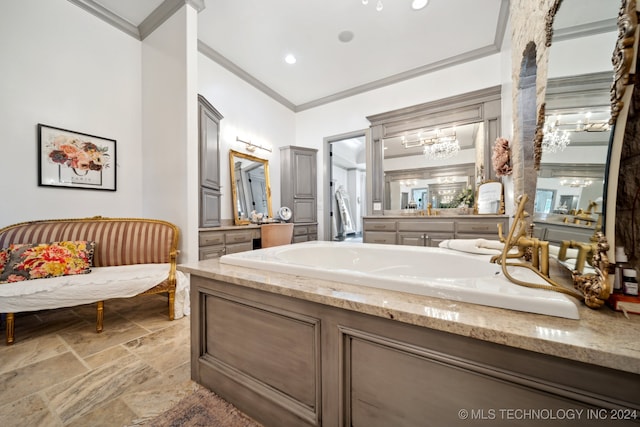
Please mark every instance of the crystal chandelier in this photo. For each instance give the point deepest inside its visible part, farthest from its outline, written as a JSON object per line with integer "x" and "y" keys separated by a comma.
{"x": 415, "y": 4}
{"x": 379, "y": 4}
{"x": 442, "y": 147}
{"x": 554, "y": 139}
{"x": 576, "y": 182}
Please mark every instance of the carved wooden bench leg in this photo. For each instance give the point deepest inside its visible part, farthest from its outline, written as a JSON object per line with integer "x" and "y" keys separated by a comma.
{"x": 10, "y": 328}
{"x": 172, "y": 303}
{"x": 100, "y": 319}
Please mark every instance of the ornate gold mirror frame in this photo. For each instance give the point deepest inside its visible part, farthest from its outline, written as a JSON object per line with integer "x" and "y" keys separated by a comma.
{"x": 623, "y": 55}
{"x": 240, "y": 186}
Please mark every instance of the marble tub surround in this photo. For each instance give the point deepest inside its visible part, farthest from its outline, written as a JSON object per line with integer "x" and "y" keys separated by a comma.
{"x": 601, "y": 337}
{"x": 62, "y": 373}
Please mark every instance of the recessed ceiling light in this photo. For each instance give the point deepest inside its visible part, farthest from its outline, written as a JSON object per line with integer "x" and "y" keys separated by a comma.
{"x": 419, "y": 4}
{"x": 345, "y": 36}
{"x": 290, "y": 59}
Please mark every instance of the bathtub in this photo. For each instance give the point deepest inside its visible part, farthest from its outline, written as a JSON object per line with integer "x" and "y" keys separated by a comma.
{"x": 433, "y": 272}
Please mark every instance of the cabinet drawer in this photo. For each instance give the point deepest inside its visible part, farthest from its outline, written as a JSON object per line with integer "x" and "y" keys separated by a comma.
{"x": 238, "y": 237}
{"x": 380, "y": 237}
{"x": 312, "y": 229}
{"x": 208, "y": 238}
{"x": 380, "y": 226}
{"x": 482, "y": 227}
{"x": 301, "y": 238}
{"x": 208, "y": 252}
{"x": 239, "y": 247}
{"x": 557, "y": 236}
{"x": 426, "y": 226}
{"x": 299, "y": 230}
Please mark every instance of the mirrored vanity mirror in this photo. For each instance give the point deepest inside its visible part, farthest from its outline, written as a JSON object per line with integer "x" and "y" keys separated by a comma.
{"x": 250, "y": 186}
{"x": 434, "y": 154}
{"x": 569, "y": 198}
{"x": 430, "y": 166}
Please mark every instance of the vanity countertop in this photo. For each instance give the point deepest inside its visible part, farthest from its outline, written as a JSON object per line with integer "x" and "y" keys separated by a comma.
{"x": 440, "y": 214}
{"x": 601, "y": 337}
{"x": 230, "y": 227}
{"x": 563, "y": 224}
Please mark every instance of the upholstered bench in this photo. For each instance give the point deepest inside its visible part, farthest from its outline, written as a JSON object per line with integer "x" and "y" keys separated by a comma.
{"x": 130, "y": 256}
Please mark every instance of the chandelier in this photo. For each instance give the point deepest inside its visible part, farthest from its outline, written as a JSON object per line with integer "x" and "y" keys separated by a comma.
{"x": 435, "y": 147}
{"x": 415, "y": 4}
{"x": 557, "y": 131}
{"x": 441, "y": 147}
{"x": 576, "y": 182}
{"x": 554, "y": 139}
{"x": 379, "y": 5}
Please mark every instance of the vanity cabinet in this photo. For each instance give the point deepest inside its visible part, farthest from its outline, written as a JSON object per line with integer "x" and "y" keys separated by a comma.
{"x": 305, "y": 232}
{"x": 379, "y": 231}
{"x": 215, "y": 243}
{"x": 430, "y": 231}
{"x": 209, "y": 152}
{"x": 556, "y": 233}
{"x": 424, "y": 233}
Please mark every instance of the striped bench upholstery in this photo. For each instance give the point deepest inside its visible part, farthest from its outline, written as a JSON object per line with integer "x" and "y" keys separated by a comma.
{"x": 119, "y": 241}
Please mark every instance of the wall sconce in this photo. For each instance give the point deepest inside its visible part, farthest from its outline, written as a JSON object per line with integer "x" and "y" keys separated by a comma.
{"x": 251, "y": 147}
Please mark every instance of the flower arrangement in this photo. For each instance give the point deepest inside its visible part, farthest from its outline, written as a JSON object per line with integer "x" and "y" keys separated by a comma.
{"x": 464, "y": 199}
{"x": 77, "y": 154}
{"x": 501, "y": 158}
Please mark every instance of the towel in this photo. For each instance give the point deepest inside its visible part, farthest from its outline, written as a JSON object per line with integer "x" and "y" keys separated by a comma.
{"x": 474, "y": 246}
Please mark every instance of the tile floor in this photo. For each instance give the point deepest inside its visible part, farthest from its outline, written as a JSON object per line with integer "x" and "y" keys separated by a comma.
{"x": 60, "y": 372}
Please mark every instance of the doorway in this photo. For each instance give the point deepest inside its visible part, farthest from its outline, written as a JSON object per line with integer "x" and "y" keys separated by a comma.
{"x": 345, "y": 184}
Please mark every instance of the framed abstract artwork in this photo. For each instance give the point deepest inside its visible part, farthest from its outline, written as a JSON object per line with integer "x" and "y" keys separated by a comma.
{"x": 75, "y": 160}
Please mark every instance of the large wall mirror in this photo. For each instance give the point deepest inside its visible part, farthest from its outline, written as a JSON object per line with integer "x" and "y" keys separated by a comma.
{"x": 250, "y": 186}
{"x": 569, "y": 199}
{"x": 431, "y": 153}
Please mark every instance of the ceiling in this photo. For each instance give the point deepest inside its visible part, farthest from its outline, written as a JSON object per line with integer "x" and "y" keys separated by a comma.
{"x": 252, "y": 37}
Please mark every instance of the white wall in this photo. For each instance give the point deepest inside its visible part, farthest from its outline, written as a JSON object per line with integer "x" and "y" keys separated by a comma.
{"x": 170, "y": 127}
{"x": 350, "y": 114}
{"x": 250, "y": 115}
{"x": 65, "y": 68}
{"x": 585, "y": 55}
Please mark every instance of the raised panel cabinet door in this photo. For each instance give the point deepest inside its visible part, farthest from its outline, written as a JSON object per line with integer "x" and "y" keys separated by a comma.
{"x": 209, "y": 139}
{"x": 304, "y": 210}
{"x": 209, "y": 150}
{"x": 412, "y": 239}
{"x": 209, "y": 207}
{"x": 304, "y": 180}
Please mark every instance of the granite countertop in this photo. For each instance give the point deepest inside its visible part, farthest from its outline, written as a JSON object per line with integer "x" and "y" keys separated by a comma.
{"x": 440, "y": 214}
{"x": 601, "y": 337}
{"x": 230, "y": 227}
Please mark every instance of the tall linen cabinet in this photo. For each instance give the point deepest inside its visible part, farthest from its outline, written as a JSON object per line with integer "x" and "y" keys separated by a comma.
{"x": 299, "y": 190}
{"x": 209, "y": 139}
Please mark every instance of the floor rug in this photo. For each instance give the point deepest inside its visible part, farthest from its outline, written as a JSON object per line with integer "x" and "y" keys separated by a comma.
{"x": 203, "y": 408}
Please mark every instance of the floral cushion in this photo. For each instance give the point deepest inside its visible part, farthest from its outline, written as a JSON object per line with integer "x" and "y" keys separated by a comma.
{"x": 4, "y": 256}
{"x": 42, "y": 260}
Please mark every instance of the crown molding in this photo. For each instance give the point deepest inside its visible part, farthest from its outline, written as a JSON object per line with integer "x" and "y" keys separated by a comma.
{"x": 216, "y": 57}
{"x": 109, "y": 17}
{"x": 163, "y": 12}
{"x": 169, "y": 7}
{"x": 585, "y": 30}
{"x": 397, "y": 78}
